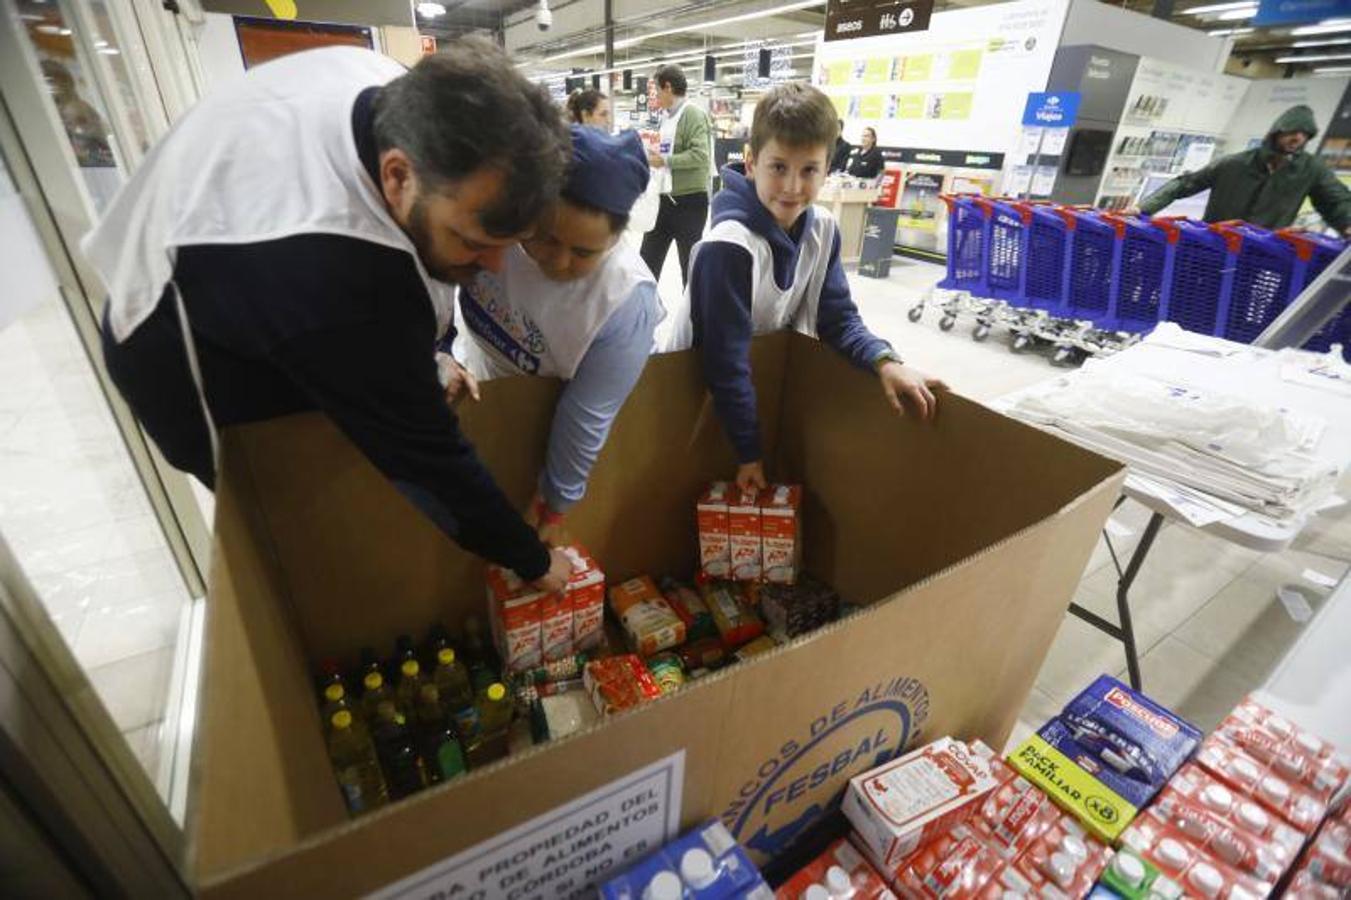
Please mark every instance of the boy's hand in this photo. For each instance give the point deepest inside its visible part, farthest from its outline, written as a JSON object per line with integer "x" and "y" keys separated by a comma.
{"x": 751, "y": 476}
{"x": 909, "y": 389}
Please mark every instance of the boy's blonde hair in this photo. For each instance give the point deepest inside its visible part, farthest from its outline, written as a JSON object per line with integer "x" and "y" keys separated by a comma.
{"x": 796, "y": 115}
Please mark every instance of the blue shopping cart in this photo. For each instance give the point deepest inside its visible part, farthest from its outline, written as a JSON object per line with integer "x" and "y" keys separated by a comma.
{"x": 1145, "y": 274}
{"x": 969, "y": 218}
{"x": 1264, "y": 272}
{"x": 1095, "y": 266}
{"x": 1313, "y": 254}
{"x": 1202, "y": 276}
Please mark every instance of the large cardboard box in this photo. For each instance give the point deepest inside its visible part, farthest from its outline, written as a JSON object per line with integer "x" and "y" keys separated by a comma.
{"x": 965, "y": 538}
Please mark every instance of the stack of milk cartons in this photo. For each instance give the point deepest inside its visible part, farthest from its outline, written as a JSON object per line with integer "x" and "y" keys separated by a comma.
{"x": 749, "y": 535}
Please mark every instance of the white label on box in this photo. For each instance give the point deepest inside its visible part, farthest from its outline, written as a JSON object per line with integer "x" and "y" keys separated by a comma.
{"x": 567, "y": 852}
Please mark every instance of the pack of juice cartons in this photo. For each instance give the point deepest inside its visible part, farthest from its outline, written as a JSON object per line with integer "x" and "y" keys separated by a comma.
{"x": 703, "y": 864}
{"x": 1294, "y": 754}
{"x": 1106, "y": 755}
{"x": 750, "y": 535}
{"x": 744, "y": 536}
{"x": 1198, "y": 872}
{"x": 1325, "y": 868}
{"x": 781, "y": 533}
{"x": 840, "y": 871}
{"x": 1292, "y": 802}
{"x": 531, "y": 627}
{"x": 715, "y": 543}
{"x": 899, "y": 806}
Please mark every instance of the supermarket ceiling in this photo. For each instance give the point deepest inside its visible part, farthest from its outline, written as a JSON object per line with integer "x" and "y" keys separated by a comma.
{"x": 649, "y": 32}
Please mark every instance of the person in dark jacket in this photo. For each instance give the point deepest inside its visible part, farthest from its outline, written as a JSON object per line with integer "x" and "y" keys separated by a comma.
{"x": 1267, "y": 185}
{"x": 840, "y": 158}
{"x": 865, "y": 161}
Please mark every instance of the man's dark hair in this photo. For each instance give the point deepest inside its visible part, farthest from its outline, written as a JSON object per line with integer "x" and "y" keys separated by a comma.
{"x": 796, "y": 115}
{"x": 674, "y": 76}
{"x": 583, "y": 100}
{"x": 466, "y": 107}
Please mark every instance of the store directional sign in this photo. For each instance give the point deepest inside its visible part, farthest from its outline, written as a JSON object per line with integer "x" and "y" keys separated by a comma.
{"x": 1295, "y": 12}
{"x": 1051, "y": 109}
{"x": 848, "y": 19}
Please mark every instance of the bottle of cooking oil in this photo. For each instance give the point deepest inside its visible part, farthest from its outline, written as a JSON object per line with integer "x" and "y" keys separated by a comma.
{"x": 399, "y": 757}
{"x": 410, "y": 683}
{"x": 376, "y": 693}
{"x": 479, "y": 657}
{"x": 457, "y": 696}
{"x": 490, "y": 740}
{"x": 355, "y": 764}
{"x": 441, "y": 753}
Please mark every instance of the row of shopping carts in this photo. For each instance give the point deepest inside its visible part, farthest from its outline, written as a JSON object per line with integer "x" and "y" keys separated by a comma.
{"x": 1089, "y": 282}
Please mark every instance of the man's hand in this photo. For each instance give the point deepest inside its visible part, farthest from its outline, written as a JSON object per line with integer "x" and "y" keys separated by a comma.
{"x": 460, "y": 382}
{"x": 910, "y": 390}
{"x": 655, "y": 159}
{"x": 555, "y": 581}
{"x": 751, "y": 476}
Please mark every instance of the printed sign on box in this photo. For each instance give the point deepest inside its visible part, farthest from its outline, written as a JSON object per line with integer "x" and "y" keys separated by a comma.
{"x": 1051, "y": 109}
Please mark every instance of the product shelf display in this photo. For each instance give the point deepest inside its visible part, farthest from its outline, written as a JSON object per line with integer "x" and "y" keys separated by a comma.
{"x": 1092, "y": 283}
{"x": 314, "y": 548}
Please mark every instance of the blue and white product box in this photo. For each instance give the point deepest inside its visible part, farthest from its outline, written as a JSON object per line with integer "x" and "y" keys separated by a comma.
{"x": 1123, "y": 739}
{"x": 703, "y": 864}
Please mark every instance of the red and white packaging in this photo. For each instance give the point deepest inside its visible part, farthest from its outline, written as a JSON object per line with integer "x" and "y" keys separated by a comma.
{"x": 953, "y": 866}
{"x": 1326, "y": 864}
{"x": 1305, "y": 887}
{"x": 1062, "y": 861}
{"x": 842, "y": 871}
{"x": 1295, "y": 804}
{"x": 555, "y": 626}
{"x": 1245, "y": 852}
{"x": 586, "y": 588}
{"x": 1200, "y": 874}
{"x": 897, "y": 807}
{"x": 715, "y": 542}
{"x": 516, "y": 620}
{"x": 743, "y": 529}
{"x": 1014, "y": 814}
{"x": 649, "y": 621}
{"x": 1196, "y": 787}
{"x": 781, "y": 532}
{"x": 1294, "y": 754}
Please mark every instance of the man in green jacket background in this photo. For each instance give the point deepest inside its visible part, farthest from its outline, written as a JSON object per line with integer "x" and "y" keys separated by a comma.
{"x": 685, "y": 151}
{"x": 1267, "y": 185}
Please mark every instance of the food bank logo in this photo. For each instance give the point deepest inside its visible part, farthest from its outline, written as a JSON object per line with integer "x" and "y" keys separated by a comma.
{"x": 806, "y": 778}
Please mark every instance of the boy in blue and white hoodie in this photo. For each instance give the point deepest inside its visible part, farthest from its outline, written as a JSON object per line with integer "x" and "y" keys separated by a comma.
{"x": 771, "y": 260}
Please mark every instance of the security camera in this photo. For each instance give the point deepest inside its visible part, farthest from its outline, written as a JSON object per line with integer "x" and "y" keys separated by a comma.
{"x": 544, "y": 19}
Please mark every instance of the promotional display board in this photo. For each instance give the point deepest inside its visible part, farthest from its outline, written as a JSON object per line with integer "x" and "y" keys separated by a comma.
{"x": 959, "y": 86}
{"x": 316, "y": 554}
{"x": 1047, "y": 119}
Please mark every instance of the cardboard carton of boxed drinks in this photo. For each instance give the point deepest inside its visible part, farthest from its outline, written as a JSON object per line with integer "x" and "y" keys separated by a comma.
{"x": 317, "y": 555}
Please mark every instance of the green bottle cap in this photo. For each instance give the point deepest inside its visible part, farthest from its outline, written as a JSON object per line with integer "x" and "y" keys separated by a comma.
{"x": 342, "y": 719}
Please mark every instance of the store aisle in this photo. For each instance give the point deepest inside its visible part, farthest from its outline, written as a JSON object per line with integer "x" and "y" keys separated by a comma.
{"x": 77, "y": 517}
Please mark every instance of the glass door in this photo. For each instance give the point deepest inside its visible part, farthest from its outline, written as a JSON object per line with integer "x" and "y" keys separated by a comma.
{"x": 107, "y": 541}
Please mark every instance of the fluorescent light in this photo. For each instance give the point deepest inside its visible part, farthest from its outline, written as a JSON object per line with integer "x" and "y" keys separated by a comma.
{"x": 1327, "y": 26}
{"x": 1237, "y": 15}
{"x": 110, "y": 51}
{"x": 1321, "y": 57}
{"x": 1330, "y": 42}
{"x": 1230, "y": 32}
{"x": 1332, "y": 70}
{"x": 1221, "y": 8}
{"x": 431, "y": 10}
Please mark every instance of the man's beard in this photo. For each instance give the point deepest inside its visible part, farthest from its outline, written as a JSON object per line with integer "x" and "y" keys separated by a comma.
{"x": 419, "y": 232}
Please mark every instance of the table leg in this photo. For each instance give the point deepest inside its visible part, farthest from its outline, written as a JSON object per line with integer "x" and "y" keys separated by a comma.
{"x": 1123, "y": 630}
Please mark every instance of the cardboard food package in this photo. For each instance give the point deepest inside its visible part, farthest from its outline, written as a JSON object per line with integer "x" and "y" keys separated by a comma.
{"x": 316, "y": 554}
{"x": 781, "y": 533}
{"x": 648, "y": 620}
{"x": 842, "y": 871}
{"x": 715, "y": 540}
{"x": 745, "y": 533}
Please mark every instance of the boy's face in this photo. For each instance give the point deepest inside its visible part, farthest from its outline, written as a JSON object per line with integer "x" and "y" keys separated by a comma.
{"x": 787, "y": 179}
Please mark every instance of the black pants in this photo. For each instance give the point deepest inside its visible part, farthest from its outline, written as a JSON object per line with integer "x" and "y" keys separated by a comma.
{"x": 682, "y": 219}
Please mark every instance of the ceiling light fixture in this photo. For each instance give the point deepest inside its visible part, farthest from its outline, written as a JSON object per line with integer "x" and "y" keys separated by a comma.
{"x": 1327, "y": 26}
{"x": 1330, "y": 42}
{"x": 1214, "y": 8}
{"x": 1319, "y": 57}
{"x": 1237, "y": 15}
{"x": 1230, "y": 32}
{"x": 431, "y": 10}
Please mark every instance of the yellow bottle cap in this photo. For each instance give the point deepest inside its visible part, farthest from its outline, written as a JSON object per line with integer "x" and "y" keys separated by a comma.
{"x": 342, "y": 719}
{"x": 373, "y": 681}
{"x": 496, "y": 692}
{"x": 334, "y": 693}
{"x": 410, "y": 667}
{"x": 445, "y": 656}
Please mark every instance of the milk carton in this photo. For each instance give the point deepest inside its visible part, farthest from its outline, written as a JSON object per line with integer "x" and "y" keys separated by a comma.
{"x": 517, "y": 612}
{"x": 715, "y": 549}
{"x": 586, "y": 589}
{"x": 781, "y": 532}
{"x": 744, "y": 531}
{"x": 901, "y": 805}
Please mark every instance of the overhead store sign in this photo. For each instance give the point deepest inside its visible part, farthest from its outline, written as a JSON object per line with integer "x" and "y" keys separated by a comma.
{"x": 1051, "y": 109}
{"x": 341, "y": 12}
{"x": 960, "y": 159}
{"x": 1294, "y": 12}
{"x": 848, "y": 19}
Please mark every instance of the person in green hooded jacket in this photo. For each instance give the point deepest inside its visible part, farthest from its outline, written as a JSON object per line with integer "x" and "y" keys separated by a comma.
{"x": 1267, "y": 185}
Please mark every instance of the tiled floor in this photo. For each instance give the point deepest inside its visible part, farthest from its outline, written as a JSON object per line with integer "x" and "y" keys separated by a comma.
{"x": 1209, "y": 625}
{"x": 77, "y": 518}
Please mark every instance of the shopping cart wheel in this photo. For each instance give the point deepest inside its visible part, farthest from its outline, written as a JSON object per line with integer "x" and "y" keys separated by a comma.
{"x": 981, "y": 333}
{"x": 916, "y": 313}
{"x": 1021, "y": 342}
{"x": 947, "y": 322}
{"x": 1065, "y": 356}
